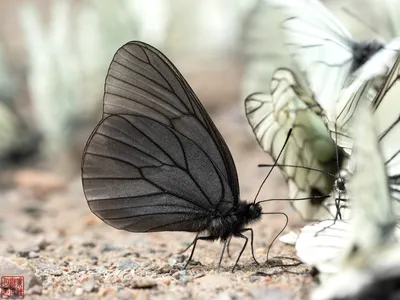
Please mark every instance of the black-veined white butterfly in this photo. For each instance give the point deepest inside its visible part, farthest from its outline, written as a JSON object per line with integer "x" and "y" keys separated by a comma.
{"x": 374, "y": 195}
{"x": 327, "y": 54}
{"x": 310, "y": 146}
{"x": 367, "y": 253}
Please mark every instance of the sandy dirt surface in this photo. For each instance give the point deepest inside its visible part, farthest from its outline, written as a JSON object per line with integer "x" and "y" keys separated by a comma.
{"x": 47, "y": 230}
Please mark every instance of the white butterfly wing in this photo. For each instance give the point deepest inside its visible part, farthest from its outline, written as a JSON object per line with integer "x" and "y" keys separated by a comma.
{"x": 374, "y": 220}
{"x": 310, "y": 146}
{"x": 321, "y": 46}
{"x": 387, "y": 119}
{"x": 320, "y": 244}
{"x": 372, "y": 226}
{"x": 339, "y": 120}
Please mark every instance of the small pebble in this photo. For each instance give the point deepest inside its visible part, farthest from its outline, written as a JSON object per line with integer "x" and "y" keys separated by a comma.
{"x": 167, "y": 281}
{"x": 89, "y": 244}
{"x": 267, "y": 278}
{"x": 165, "y": 268}
{"x": 88, "y": 285}
{"x": 177, "y": 259}
{"x": 25, "y": 252}
{"x": 33, "y": 254}
{"x": 128, "y": 264}
{"x": 179, "y": 274}
{"x": 56, "y": 272}
{"x": 78, "y": 292}
{"x": 144, "y": 283}
{"x": 108, "y": 247}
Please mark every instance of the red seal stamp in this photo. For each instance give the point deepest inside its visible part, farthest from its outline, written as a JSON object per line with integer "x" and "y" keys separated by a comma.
{"x": 12, "y": 287}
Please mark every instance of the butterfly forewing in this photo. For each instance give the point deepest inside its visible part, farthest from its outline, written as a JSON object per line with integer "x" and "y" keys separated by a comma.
{"x": 319, "y": 44}
{"x": 135, "y": 168}
{"x": 141, "y": 80}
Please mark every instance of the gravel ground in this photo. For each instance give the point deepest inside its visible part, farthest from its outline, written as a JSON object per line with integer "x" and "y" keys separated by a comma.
{"x": 48, "y": 234}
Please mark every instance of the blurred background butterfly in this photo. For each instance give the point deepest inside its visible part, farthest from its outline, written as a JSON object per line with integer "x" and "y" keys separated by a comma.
{"x": 321, "y": 47}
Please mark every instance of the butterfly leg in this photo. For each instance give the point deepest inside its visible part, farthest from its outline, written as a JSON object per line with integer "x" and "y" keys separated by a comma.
{"x": 241, "y": 251}
{"x": 204, "y": 238}
{"x": 190, "y": 245}
{"x": 251, "y": 243}
{"x": 227, "y": 247}
{"x": 226, "y": 243}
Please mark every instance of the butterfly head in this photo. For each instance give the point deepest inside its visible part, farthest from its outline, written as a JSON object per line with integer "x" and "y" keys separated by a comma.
{"x": 248, "y": 213}
{"x": 253, "y": 211}
{"x": 363, "y": 51}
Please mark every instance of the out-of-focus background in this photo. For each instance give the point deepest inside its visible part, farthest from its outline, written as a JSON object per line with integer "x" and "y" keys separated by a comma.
{"x": 54, "y": 55}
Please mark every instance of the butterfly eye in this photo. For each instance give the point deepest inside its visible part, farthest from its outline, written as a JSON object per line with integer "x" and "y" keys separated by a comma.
{"x": 340, "y": 184}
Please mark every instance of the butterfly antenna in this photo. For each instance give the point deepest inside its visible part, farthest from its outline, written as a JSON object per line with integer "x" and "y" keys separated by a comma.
{"x": 294, "y": 166}
{"x": 295, "y": 199}
{"x": 361, "y": 21}
{"x": 276, "y": 161}
{"x": 338, "y": 190}
{"x": 279, "y": 233}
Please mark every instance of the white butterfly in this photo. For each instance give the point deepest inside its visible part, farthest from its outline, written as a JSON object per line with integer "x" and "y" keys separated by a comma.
{"x": 327, "y": 54}
{"x": 363, "y": 250}
{"x": 309, "y": 160}
{"x": 370, "y": 235}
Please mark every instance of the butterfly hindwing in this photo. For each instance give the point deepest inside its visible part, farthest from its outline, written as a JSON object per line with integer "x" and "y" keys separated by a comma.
{"x": 135, "y": 168}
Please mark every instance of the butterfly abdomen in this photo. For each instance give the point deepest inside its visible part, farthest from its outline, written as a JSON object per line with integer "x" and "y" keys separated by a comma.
{"x": 232, "y": 224}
